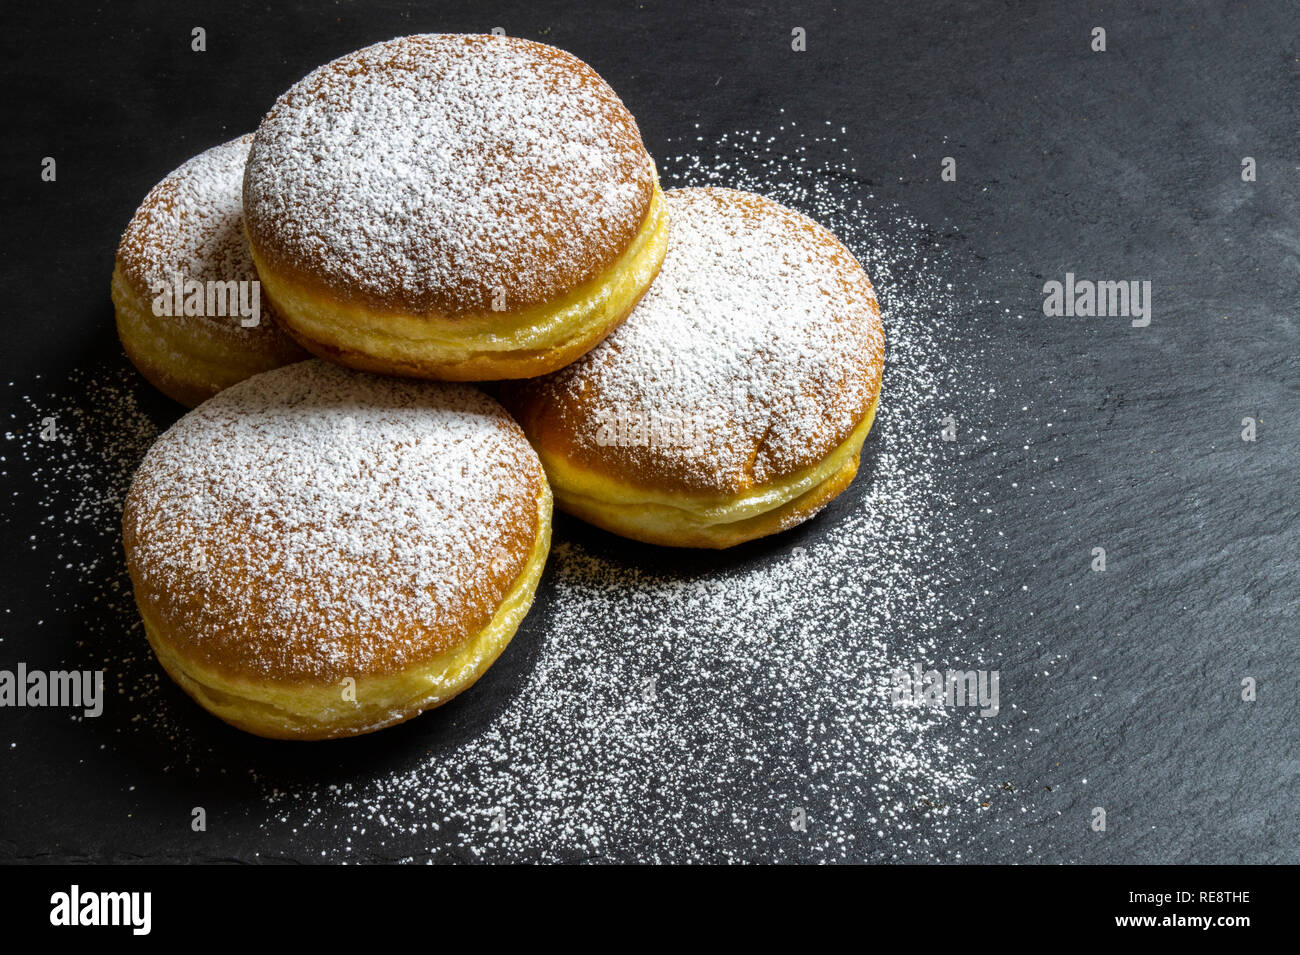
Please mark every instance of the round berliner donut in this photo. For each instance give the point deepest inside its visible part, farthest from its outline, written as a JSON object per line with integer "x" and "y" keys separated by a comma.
{"x": 453, "y": 206}
{"x": 319, "y": 553}
{"x": 734, "y": 401}
{"x": 181, "y": 321}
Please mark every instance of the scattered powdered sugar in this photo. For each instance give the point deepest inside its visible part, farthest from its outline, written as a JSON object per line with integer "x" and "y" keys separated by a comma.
{"x": 432, "y": 172}
{"x": 318, "y": 523}
{"x": 89, "y": 437}
{"x": 192, "y": 223}
{"x": 759, "y": 325}
{"x": 693, "y": 715}
{"x": 670, "y": 706}
{"x": 72, "y": 444}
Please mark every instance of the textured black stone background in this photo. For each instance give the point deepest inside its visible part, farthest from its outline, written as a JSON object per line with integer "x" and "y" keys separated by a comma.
{"x": 1117, "y": 165}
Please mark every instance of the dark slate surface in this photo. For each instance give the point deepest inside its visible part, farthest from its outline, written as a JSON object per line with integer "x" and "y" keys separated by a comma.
{"x": 1123, "y": 164}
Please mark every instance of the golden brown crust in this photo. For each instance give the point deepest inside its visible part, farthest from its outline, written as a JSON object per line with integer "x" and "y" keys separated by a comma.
{"x": 275, "y": 709}
{"x": 190, "y": 361}
{"x": 246, "y": 640}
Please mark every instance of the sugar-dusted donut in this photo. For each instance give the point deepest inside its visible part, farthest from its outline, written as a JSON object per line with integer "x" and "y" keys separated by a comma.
{"x": 188, "y": 301}
{"x": 459, "y": 207}
{"x": 734, "y": 401}
{"x": 319, "y": 553}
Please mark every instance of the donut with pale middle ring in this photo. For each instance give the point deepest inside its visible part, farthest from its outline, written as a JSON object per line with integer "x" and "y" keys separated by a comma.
{"x": 458, "y": 207}
{"x": 318, "y": 553}
{"x": 182, "y": 323}
{"x": 734, "y": 401}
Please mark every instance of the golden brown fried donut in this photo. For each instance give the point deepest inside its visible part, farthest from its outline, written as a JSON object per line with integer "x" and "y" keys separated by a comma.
{"x": 453, "y": 206}
{"x": 190, "y": 228}
{"x": 734, "y": 401}
{"x": 319, "y": 553}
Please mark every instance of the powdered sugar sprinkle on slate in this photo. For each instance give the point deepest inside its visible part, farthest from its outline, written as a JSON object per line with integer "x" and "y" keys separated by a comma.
{"x": 690, "y": 716}
{"x": 675, "y": 715}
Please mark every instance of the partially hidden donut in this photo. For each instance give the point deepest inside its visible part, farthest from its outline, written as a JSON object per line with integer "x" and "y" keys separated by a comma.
{"x": 458, "y": 207}
{"x": 317, "y": 552}
{"x": 187, "y": 298}
{"x": 734, "y": 401}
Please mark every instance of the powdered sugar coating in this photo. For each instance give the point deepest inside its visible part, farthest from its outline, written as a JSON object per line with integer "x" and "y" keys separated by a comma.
{"x": 761, "y": 337}
{"x": 316, "y": 523}
{"x": 192, "y": 224}
{"x": 429, "y": 172}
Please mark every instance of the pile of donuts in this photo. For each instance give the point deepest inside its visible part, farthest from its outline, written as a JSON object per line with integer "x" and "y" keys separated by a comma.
{"x": 438, "y": 289}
